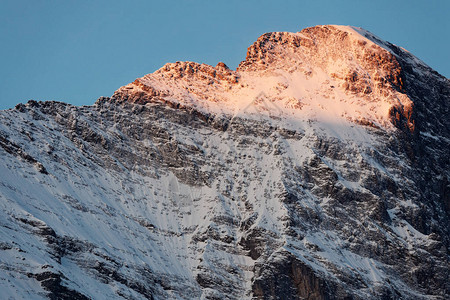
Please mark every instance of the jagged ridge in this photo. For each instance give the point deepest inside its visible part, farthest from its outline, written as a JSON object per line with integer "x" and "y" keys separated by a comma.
{"x": 309, "y": 69}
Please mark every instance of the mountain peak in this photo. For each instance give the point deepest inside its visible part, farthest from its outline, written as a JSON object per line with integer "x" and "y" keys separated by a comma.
{"x": 332, "y": 48}
{"x": 318, "y": 169}
{"x": 335, "y": 73}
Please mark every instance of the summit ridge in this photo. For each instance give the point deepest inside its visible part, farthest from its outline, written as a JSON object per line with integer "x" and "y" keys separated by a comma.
{"x": 338, "y": 73}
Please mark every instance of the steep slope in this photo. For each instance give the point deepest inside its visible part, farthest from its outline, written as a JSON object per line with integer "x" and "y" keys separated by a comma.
{"x": 319, "y": 169}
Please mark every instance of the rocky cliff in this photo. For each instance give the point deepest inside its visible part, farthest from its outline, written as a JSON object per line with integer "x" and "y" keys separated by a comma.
{"x": 319, "y": 169}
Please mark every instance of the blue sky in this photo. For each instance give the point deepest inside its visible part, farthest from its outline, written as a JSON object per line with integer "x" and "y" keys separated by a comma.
{"x": 77, "y": 51}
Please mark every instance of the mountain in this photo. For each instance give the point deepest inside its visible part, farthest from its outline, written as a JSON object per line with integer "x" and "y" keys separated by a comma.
{"x": 319, "y": 169}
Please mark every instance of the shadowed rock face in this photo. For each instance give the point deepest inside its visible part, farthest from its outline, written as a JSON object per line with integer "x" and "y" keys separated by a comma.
{"x": 162, "y": 192}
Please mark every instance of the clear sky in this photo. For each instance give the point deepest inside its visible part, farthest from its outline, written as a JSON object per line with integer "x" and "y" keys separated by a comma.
{"x": 77, "y": 51}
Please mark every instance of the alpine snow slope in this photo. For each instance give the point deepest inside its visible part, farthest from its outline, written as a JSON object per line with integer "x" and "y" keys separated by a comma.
{"x": 319, "y": 169}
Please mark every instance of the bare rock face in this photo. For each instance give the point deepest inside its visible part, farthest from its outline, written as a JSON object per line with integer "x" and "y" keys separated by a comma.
{"x": 319, "y": 169}
{"x": 321, "y": 47}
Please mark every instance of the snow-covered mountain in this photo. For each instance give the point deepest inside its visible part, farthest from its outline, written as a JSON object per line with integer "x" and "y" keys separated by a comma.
{"x": 319, "y": 169}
